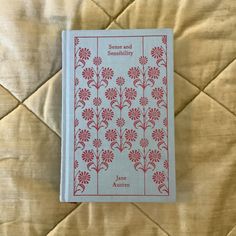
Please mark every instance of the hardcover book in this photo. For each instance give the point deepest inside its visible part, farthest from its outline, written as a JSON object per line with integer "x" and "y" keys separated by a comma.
{"x": 117, "y": 116}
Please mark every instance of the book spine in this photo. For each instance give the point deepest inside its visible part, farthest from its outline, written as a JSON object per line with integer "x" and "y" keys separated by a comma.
{"x": 64, "y": 139}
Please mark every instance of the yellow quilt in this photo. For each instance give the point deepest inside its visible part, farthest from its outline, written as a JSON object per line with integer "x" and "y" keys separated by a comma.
{"x": 205, "y": 109}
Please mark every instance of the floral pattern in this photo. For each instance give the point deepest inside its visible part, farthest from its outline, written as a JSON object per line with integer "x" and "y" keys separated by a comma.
{"x": 130, "y": 135}
{"x": 159, "y": 178}
{"x": 81, "y": 136}
{"x": 81, "y": 96}
{"x": 120, "y": 98}
{"x": 84, "y": 53}
{"x": 134, "y": 156}
{"x": 160, "y": 54}
{"x": 134, "y": 72}
{"x": 145, "y": 118}
{"x": 111, "y": 94}
{"x": 87, "y": 155}
{"x": 107, "y": 156}
{"x": 97, "y": 143}
{"x": 154, "y": 114}
{"x": 134, "y": 113}
{"x": 130, "y": 93}
{"x": 111, "y": 135}
{"x": 157, "y": 52}
{"x": 158, "y": 135}
{"x": 88, "y": 114}
{"x": 83, "y": 178}
{"x": 158, "y": 95}
{"x": 133, "y": 103}
{"x": 88, "y": 73}
{"x": 96, "y": 117}
{"x": 107, "y": 73}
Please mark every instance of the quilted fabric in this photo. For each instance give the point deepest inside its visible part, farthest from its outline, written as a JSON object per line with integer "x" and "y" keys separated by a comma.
{"x": 205, "y": 109}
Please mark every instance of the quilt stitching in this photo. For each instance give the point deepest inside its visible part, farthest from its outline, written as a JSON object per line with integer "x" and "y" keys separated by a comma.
{"x": 22, "y": 102}
{"x": 211, "y": 80}
{"x": 203, "y": 91}
{"x": 113, "y": 18}
{"x": 18, "y": 102}
{"x": 77, "y": 206}
{"x": 223, "y": 69}
{"x": 39, "y": 86}
{"x": 188, "y": 103}
{"x": 228, "y": 234}
{"x": 226, "y": 108}
{"x": 10, "y": 111}
{"x": 41, "y": 121}
{"x": 150, "y": 218}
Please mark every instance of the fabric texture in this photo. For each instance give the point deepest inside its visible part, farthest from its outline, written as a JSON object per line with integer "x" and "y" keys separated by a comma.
{"x": 205, "y": 118}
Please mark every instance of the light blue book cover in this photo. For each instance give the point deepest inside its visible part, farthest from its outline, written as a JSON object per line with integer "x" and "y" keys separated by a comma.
{"x": 118, "y": 116}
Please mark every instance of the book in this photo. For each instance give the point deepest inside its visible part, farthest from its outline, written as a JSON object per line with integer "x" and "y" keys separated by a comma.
{"x": 117, "y": 116}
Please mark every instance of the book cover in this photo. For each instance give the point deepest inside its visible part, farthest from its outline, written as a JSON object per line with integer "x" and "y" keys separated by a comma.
{"x": 117, "y": 116}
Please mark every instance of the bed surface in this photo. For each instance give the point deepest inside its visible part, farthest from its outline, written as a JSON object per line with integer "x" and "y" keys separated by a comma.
{"x": 205, "y": 118}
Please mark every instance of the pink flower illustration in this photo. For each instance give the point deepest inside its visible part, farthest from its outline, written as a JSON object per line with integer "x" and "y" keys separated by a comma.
{"x": 164, "y": 80}
{"x": 144, "y": 142}
{"x": 147, "y": 115}
{"x": 76, "y": 164}
{"x": 157, "y": 52}
{"x": 133, "y": 72}
{"x": 166, "y": 164}
{"x": 111, "y": 94}
{"x": 154, "y": 114}
{"x": 87, "y": 155}
{"x": 157, "y": 93}
{"x": 107, "y": 73}
{"x": 97, "y": 118}
{"x": 134, "y": 156}
{"x": 143, "y": 101}
{"x": 134, "y": 114}
{"x": 130, "y": 93}
{"x": 153, "y": 72}
{"x": 107, "y": 114}
{"x": 88, "y": 73}
{"x": 84, "y": 94}
{"x": 84, "y": 135}
{"x": 158, "y": 177}
{"x": 84, "y": 53}
{"x": 97, "y": 102}
{"x": 97, "y": 143}
{"x": 97, "y": 61}
{"x": 143, "y": 60}
{"x": 120, "y": 122}
{"x": 164, "y": 39}
{"x": 107, "y": 156}
{"x": 130, "y": 135}
{"x": 165, "y": 122}
{"x": 111, "y": 135}
{"x": 155, "y": 156}
{"x": 84, "y": 177}
{"x": 158, "y": 134}
{"x": 120, "y": 81}
{"x": 88, "y": 114}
